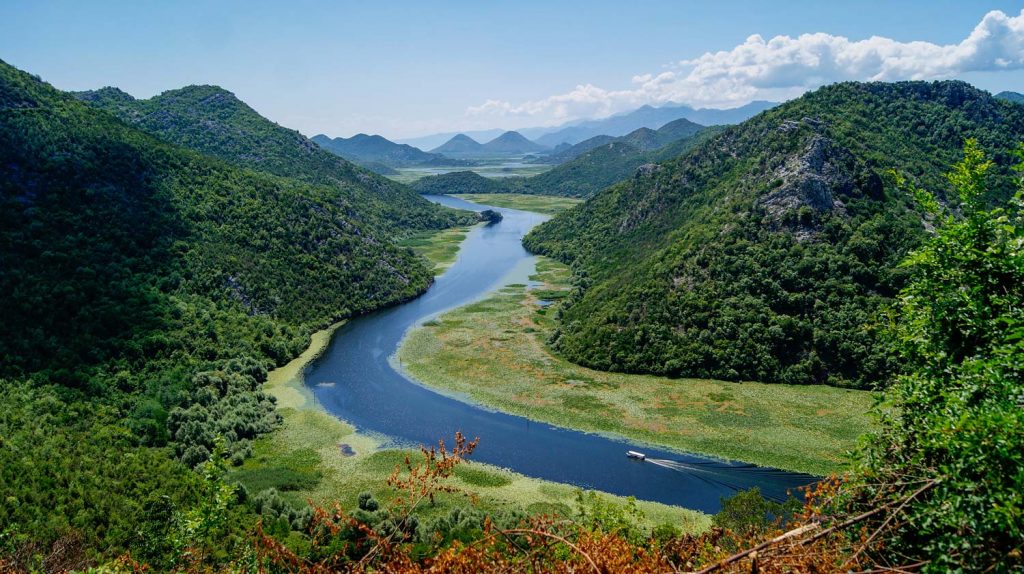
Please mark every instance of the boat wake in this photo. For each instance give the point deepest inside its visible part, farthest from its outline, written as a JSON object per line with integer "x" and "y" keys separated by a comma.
{"x": 717, "y": 474}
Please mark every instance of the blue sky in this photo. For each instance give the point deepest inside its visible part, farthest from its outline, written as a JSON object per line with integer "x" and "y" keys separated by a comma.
{"x": 409, "y": 68}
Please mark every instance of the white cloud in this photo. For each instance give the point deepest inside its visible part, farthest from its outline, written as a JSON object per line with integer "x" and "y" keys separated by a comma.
{"x": 784, "y": 67}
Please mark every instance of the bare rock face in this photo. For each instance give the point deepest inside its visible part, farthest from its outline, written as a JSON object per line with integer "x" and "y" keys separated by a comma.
{"x": 814, "y": 178}
{"x": 647, "y": 170}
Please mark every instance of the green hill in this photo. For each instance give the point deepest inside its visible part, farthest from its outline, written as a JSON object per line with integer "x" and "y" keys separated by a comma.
{"x": 146, "y": 289}
{"x": 1014, "y": 97}
{"x": 766, "y": 252}
{"x": 610, "y": 163}
{"x": 458, "y": 182}
{"x": 212, "y": 121}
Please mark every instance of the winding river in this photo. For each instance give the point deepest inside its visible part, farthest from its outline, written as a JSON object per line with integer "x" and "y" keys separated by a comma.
{"x": 356, "y": 379}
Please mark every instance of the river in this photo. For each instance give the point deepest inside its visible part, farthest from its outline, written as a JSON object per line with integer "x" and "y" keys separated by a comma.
{"x": 356, "y": 380}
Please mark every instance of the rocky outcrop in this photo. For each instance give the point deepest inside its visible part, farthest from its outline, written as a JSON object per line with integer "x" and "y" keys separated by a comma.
{"x": 813, "y": 178}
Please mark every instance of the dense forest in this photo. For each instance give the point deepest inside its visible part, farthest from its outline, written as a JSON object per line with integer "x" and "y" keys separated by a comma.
{"x": 212, "y": 121}
{"x": 147, "y": 289}
{"x": 767, "y": 252}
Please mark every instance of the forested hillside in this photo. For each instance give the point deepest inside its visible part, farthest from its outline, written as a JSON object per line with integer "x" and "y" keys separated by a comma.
{"x": 146, "y": 290}
{"x": 212, "y": 121}
{"x": 767, "y": 252}
{"x": 459, "y": 182}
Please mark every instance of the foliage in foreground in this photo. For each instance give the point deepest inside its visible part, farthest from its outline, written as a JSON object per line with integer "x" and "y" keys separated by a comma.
{"x": 954, "y": 442}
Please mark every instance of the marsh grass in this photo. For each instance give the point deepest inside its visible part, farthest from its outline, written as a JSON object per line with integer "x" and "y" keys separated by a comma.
{"x": 304, "y": 460}
{"x": 494, "y": 351}
{"x": 439, "y": 248}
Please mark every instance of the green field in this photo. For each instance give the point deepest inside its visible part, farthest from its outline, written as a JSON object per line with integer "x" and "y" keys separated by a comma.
{"x": 438, "y": 247}
{"x": 546, "y": 204}
{"x": 304, "y": 460}
{"x": 494, "y": 352}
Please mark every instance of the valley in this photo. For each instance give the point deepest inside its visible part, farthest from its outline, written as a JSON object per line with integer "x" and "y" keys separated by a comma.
{"x": 754, "y": 312}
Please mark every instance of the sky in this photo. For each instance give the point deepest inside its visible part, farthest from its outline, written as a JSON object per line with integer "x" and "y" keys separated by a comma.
{"x": 404, "y": 69}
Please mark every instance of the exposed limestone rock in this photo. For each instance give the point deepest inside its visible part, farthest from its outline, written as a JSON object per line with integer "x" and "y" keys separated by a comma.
{"x": 811, "y": 179}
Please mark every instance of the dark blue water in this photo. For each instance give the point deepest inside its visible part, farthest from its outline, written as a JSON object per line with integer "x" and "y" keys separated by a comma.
{"x": 369, "y": 393}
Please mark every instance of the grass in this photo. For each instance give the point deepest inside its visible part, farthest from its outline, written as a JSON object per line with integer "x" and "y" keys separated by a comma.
{"x": 494, "y": 351}
{"x": 546, "y": 204}
{"x": 304, "y": 460}
{"x": 438, "y": 247}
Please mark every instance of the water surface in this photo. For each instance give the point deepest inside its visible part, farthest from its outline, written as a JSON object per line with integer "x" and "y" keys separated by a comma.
{"x": 355, "y": 379}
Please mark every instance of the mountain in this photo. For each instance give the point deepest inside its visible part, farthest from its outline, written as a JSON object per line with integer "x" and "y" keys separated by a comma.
{"x": 212, "y": 121}
{"x": 512, "y": 143}
{"x": 617, "y": 125}
{"x": 767, "y": 252}
{"x": 607, "y": 164}
{"x": 650, "y": 117}
{"x": 146, "y": 290}
{"x": 582, "y": 176}
{"x": 366, "y": 150}
{"x": 1014, "y": 97}
{"x": 565, "y": 151}
{"x": 459, "y": 144}
{"x": 643, "y": 139}
{"x": 435, "y": 140}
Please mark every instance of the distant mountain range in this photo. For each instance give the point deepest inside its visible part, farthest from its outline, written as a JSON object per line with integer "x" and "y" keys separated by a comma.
{"x": 508, "y": 143}
{"x": 374, "y": 151}
{"x": 597, "y": 163}
{"x": 642, "y": 139}
{"x": 650, "y": 117}
{"x": 617, "y": 125}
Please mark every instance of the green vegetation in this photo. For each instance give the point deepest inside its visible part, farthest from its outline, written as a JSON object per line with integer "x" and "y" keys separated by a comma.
{"x": 493, "y": 351}
{"x": 305, "y": 459}
{"x": 439, "y": 248}
{"x": 457, "y": 182}
{"x": 212, "y": 121}
{"x": 546, "y": 204}
{"x": 767, "y": 252}
{"x": 147, "y": 289}
{"x": 953, "y": 449}
{"x": 643, "y": 139}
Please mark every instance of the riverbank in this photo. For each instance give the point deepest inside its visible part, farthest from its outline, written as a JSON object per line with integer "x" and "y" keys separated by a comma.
{"x": 316, "y": 457}
{"x": 439, "y": 248}
{"x": 494, "y": 352}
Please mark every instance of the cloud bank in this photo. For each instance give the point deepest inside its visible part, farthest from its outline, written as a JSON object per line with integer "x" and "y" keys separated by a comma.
{"x": 784, "y": 67}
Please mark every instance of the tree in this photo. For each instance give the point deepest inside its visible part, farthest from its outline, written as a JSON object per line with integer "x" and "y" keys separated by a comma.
{"x": 951, "y": 449}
